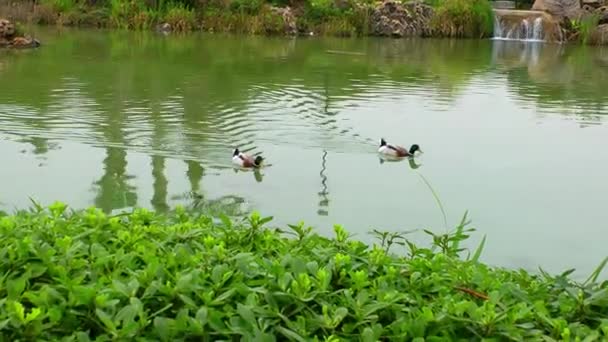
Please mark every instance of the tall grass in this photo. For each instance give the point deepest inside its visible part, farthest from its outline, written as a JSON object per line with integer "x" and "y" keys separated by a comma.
{"x": 263, "y": 22}
{"x": 180, "y": 17}
{"x": 61, "y": 6}
{"x": 585, "y": 27}
{"x": 463, "y": 18}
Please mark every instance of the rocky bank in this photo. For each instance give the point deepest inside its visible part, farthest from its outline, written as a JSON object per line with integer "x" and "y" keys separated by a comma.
{"x": 10, "y": 38}
{"x": 571, "y": 12}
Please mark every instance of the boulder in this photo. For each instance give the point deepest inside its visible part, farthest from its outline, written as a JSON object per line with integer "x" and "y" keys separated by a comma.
{"x": 7, "y": 29}
{"x": 593, "y": 3}
{"x": 602, "y": 13}
{"x": 9, "y": 37}
{"x": 558, "y": 8}
{"x": 289, "y": 19}
{"x": 164, "y": 28}
{"x": 599, "y": 36}
{"x": 394, "y": 19}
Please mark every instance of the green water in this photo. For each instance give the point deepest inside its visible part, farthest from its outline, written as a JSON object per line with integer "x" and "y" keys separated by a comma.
{"x": 515, "y": 133}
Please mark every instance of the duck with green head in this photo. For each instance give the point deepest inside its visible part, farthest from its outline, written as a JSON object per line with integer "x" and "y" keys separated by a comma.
{"x": 397, "y": 151}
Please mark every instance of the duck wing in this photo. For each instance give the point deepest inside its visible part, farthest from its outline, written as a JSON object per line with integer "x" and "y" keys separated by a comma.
{"x": 399, "y": 149}
{"x": 247, "y": 160}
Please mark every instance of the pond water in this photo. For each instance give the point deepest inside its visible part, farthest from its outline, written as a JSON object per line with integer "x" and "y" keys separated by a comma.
{"x": 514, "y": 133}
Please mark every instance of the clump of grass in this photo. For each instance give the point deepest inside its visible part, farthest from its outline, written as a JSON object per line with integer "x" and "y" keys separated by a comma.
{"x": 463, "y": 18}
{"x": 180, "y": 17}
{"x": 325, "y": 17}
{"x": 184, "y": 276}
{"x": 61, "y": 6}
{"x": 264, "y": 22}
{"x": 132, "y": 14}
{"x": 584, "y": 27}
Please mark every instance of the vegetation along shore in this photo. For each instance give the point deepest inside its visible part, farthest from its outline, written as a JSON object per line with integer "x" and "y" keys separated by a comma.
{"x": 565, "y": 20}
{"x": 82, "y": 276}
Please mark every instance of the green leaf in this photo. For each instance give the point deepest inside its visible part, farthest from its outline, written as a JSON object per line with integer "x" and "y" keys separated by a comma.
{"x": 290, "y": 334}
{"x": 596, "y": 273}
{"x": 223, "y": 297}
{"x": 368, "y": 335}
{"x": 4, "y": 324}
{"x": 55, "y": 314}
{"x": 201, "y": 315}
{"x": 121, "y": 288}
{"x": 162, "y": 327}
{"x": 478, "y": 251}
{"x": 15, "y": 288}
{"x": 226, "y": 221}
{"x": 19, "y": 311}
{"x": 106, "y": 320}
{"x": 246, "y": 313}
{"x": 126, "y": 315}
{"x": 265, "y": 220}
{"x": 33, "y": 315}
{"x": 82, "y": 337}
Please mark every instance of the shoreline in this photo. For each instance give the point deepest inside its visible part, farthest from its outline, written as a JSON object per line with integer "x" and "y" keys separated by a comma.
{"x": 388, "y": 18}
{"x": 327, "y": 18}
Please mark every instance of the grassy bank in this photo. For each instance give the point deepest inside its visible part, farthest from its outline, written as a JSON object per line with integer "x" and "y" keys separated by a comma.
{"x": 457, "y": 18}
{"x": 79, "y": 276}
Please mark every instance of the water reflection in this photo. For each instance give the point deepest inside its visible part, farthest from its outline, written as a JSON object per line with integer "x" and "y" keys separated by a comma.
{"x": 324, "y": 193}
{"x": 113, "y": 188}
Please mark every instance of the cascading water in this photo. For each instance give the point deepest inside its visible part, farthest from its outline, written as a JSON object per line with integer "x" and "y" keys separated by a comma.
{"x": 533, "y": 26}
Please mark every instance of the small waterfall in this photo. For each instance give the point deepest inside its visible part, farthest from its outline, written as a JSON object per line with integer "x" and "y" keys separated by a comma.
{"x": 533, "y": 26}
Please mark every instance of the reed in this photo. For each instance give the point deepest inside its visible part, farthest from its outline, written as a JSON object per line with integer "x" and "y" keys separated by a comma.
{"x": 463, "y": 18}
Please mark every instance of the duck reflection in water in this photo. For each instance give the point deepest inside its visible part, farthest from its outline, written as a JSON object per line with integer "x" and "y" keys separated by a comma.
{"x": 257, "y": 174}
{"x": 411, "y": 161}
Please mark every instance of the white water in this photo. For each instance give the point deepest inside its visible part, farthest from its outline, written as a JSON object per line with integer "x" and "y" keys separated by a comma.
{"x": 522, "y": 30}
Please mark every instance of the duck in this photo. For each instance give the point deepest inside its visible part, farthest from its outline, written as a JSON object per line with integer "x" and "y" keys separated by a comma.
{"x": 397, "y": 151}
{"x": 243, "y": 160}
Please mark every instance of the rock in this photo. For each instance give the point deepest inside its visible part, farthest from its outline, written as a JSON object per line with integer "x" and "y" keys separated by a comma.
{"x": 558, "y": 8}
{"x": 602, "y": 12}
{"x": 10, "y": 38}
{"x": 7, "y": 29}
{"x": 593, "y": 3}
{"x": 599, "y": 36}
{"x": 289, "y": 19}
{"x": 164, "y": 28}
{"x": 394, "y": 19}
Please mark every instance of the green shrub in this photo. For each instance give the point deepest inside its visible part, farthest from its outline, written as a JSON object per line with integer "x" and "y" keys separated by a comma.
{"x": 463, "y": 18}
{"x": 585, "y": 26}
{"x": 133, "y": 277}
{"x": 61, "y": 5}
{"x": 264, "y": 22}
{"x": 250, "y": 7}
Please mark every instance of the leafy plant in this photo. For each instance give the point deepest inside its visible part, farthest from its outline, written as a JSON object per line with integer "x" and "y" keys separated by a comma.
{"x": 83, "y": 275}
{"x": 585, "y": 26}
{"x": 61, "y": 5}
{"x": 463, "y": 18}
{"x": 180, "y": 17}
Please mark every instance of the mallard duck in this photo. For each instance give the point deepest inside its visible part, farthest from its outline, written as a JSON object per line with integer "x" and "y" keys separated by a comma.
{"x": 241, "y": 159}
{"x": 397, "y": 151}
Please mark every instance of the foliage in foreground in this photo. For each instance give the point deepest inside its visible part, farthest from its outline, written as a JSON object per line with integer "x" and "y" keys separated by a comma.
{"x": 84, "y": 276}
